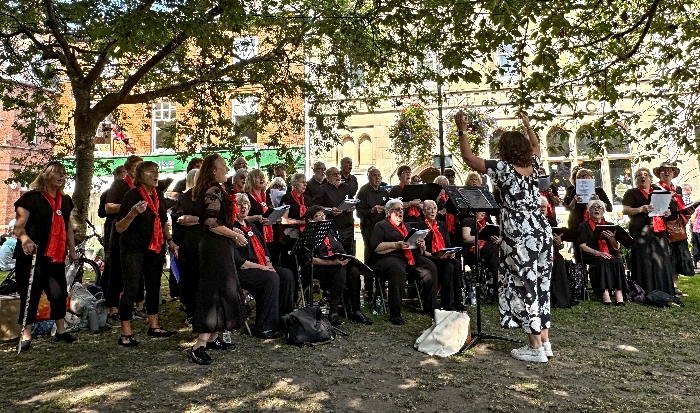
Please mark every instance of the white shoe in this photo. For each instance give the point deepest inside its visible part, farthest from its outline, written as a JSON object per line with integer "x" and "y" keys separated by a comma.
{"x": 547, "y": 349}
{"x": 527, "y": 353}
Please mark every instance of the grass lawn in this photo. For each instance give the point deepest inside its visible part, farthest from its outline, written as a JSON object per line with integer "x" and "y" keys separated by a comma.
{"x": 613, "y": 359}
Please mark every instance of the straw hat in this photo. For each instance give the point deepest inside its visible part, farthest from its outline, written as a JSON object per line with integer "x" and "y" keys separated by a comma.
{"x": 657, "y": 170}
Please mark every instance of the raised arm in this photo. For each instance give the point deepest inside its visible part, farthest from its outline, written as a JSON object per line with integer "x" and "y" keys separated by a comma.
{"x": 534, "y": 142}
{"x": 465, "y": 148}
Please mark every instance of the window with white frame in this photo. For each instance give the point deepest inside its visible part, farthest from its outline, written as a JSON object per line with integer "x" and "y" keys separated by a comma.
{"x": 245, "y": 48}
{"x": 163, "y": 120}
{"x": 505, "y": 61}
{"x": 243, "y": 114}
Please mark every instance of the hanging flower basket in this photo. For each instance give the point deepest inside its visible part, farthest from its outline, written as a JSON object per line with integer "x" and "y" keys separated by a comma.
{"x": 412, "y": 138}
{"x": 479, "y": 132}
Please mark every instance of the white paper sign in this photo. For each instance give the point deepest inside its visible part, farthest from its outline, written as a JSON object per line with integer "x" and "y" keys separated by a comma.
{"x": 585, "y": 188}
{"x": 660, "y": 201}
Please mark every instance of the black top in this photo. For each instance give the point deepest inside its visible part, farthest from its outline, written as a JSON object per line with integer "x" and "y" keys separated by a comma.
{"x": 396, "y": 192}
{"x": 246, "y": 252}
{"x": 587, "y": 236}
{"x": 471, "y": 223}
{"x": 330, "y": 196}
{"x": 369, "y": 198}
{"x": 634, "y": 198}
{"x": 384, "y": 231}
{"x": 293, "y": 206}
{"x": 117, "y": 191}
{"x": 576, "y": 216}
{"x": 214, "y": 208}
{"x": 38, "y": 226}
{"x": 336, "y": 246}
{"x": 442, "y": 227}
{"x": 185, "y": 236}
{"x": 312, "y": 186}
{"x": 180, "y": 186}
{"x": 256, "y": 208}
{"x": 137, "y": 236}
{"x": 350, "y": 181}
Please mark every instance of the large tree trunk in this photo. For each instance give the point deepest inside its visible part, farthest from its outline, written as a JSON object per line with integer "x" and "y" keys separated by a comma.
{"x": 85, "y": 127}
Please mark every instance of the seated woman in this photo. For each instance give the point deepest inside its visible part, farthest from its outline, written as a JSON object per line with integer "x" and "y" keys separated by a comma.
{"x": 335, "y": 274}
{"x": 488, "y": 248}
{"x": 605, "y": 266}
{"x": 449, "y": 268}
{"x": 393, "y": 258}
{"x": 561, "y": 291}
{"x": 272, "y": 287}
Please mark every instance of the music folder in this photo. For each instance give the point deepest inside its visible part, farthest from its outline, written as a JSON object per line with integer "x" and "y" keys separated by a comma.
{"x": 622, "y": 236}
{"x": 337, "y": 256}
{"x": 566, "y": 234}
{"x": 274, "y": 214}
{"x": 421, "y": 191}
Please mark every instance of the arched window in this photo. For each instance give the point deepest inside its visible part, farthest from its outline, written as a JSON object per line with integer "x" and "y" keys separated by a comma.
{"x": 585, "y": 140}
{"x": 365, "y": 157}
{"x": 618, "y": 139}
{"x": 348, "y": 148}
{"x": 558, "y": 142}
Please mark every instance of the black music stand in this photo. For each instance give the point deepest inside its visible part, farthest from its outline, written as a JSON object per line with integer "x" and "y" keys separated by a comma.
{"x": 313, "y": 235}
{"x": 476, "y": 199}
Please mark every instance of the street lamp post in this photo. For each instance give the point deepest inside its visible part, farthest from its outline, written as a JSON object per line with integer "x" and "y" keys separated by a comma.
{"x": 441, "y": 138}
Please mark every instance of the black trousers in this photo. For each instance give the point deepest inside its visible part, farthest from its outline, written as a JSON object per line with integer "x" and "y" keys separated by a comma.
{"x": 333, "y": 278}
{"x": 450, "y": 278}
{"x": 189, "y": 282}
{"x": 346, "y": 236}
{"x": 273, "y": 292}
{"x": 136, "y": 266}
{"x": 366, "y": 232}
{"x": 49, "y": 278}
{"x": 395, "y": 269}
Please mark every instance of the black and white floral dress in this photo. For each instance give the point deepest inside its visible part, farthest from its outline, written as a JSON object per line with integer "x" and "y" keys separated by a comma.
{"x": 526, "y": 249}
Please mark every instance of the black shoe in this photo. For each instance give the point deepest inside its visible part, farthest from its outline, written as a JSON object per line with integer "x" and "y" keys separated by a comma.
{"x": 113, "y": 320}
{"x": 200, "y": 356}
{"x": 24, "y": 345}
{"x": 160, "y": 332}
{"x": 397, "y": 320}
{"x": 219, "y": 344}
{"x": 65, "y": 337}
{"x": 335, "y": 319}
{"x": 269, "y": 334}
{"x": 359, "y": 317}
{"x": 619, "y": 304}
{"x": 130, "y": 342}
{"x": 607, "y": 302}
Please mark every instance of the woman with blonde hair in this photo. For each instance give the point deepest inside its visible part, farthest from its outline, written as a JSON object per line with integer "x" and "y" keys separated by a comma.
{"x": 43, "y": 227}
{"x": 260, "y": 201}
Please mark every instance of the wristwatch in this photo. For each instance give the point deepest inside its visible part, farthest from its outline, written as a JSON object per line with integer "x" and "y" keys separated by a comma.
{"x": 460, "y": 133}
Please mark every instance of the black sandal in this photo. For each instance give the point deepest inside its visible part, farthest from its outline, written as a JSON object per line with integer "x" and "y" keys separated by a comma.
{"x": 160, "y": 332}
{"x": 131, "y": 342}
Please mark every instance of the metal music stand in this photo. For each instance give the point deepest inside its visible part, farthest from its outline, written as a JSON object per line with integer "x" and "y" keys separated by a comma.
{"x": 313, "y": 235}
{"x": 475, "y": 199}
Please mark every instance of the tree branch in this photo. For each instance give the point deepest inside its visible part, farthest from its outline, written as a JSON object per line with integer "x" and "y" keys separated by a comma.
{"x": 72, "y": 64}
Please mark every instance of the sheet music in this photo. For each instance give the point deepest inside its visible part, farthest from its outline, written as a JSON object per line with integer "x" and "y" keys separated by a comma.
{"x": 415, "y": 236}
{"x": 660, "y": 200}
{"x": 276, "y": 195}
{"x": 277, "y": 213}
{"x": 348, "y": 203}
{"x": 585, "y": 188}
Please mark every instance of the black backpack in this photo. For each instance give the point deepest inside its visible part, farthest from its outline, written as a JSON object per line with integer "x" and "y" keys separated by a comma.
{"x": 307, "y": 327}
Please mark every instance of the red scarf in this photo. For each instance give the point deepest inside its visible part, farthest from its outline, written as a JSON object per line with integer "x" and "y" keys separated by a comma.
{"x": 234, "y": 210}
{"x": 438, "y": 241}
{"x": 257, "y": 245}
{"x": 413, "y": 211}
{"x": 327, "y": 241}
{"x": 449, "y": 218}
{"x": 129, "y": 182}
{"x": 602, "y": 244}
{"x": 267, "y": 229}
{"x": 56, "y": 248}
{"x": 404, "y": 233}
{"x": 153, "y": 205}
{"x": 676, "y": 197}
{"x": 299, "y": 199}
{"x": 659, "y": 225}
{"x": 480, "y": 224}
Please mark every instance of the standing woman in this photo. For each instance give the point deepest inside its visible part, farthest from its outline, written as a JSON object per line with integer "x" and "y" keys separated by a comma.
{"x": 43, "y": 227}
{"x": 142, "y": 225}
{"x": 681, "y": 260}
{"x": 526, "y": 245}
{"x": 255, "y": 187}
{"x": 293, "y": 219}
{"x": 219, "y": 301}
{"x": 449, "y": 268}
{"x": 650, "y": 256}
{"x": 186, "y": 234}
{"x": 578, "y": 212}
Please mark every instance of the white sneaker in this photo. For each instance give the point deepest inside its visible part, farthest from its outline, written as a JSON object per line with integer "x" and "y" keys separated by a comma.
{"x": 547, "y": 349}
{"x": 527, "y": 353}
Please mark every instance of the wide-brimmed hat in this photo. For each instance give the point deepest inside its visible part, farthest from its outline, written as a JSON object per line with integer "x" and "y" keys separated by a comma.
{"x": 669, "y": 165}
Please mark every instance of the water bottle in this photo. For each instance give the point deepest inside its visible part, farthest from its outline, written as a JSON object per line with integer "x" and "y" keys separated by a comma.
{"x": 226, "y": 337}
{"x": 92, "y": 319}
{"x": 472, "y": 295}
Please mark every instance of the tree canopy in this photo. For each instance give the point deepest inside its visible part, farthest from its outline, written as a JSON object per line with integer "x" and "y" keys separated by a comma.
{"x": 338, "y": 54}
